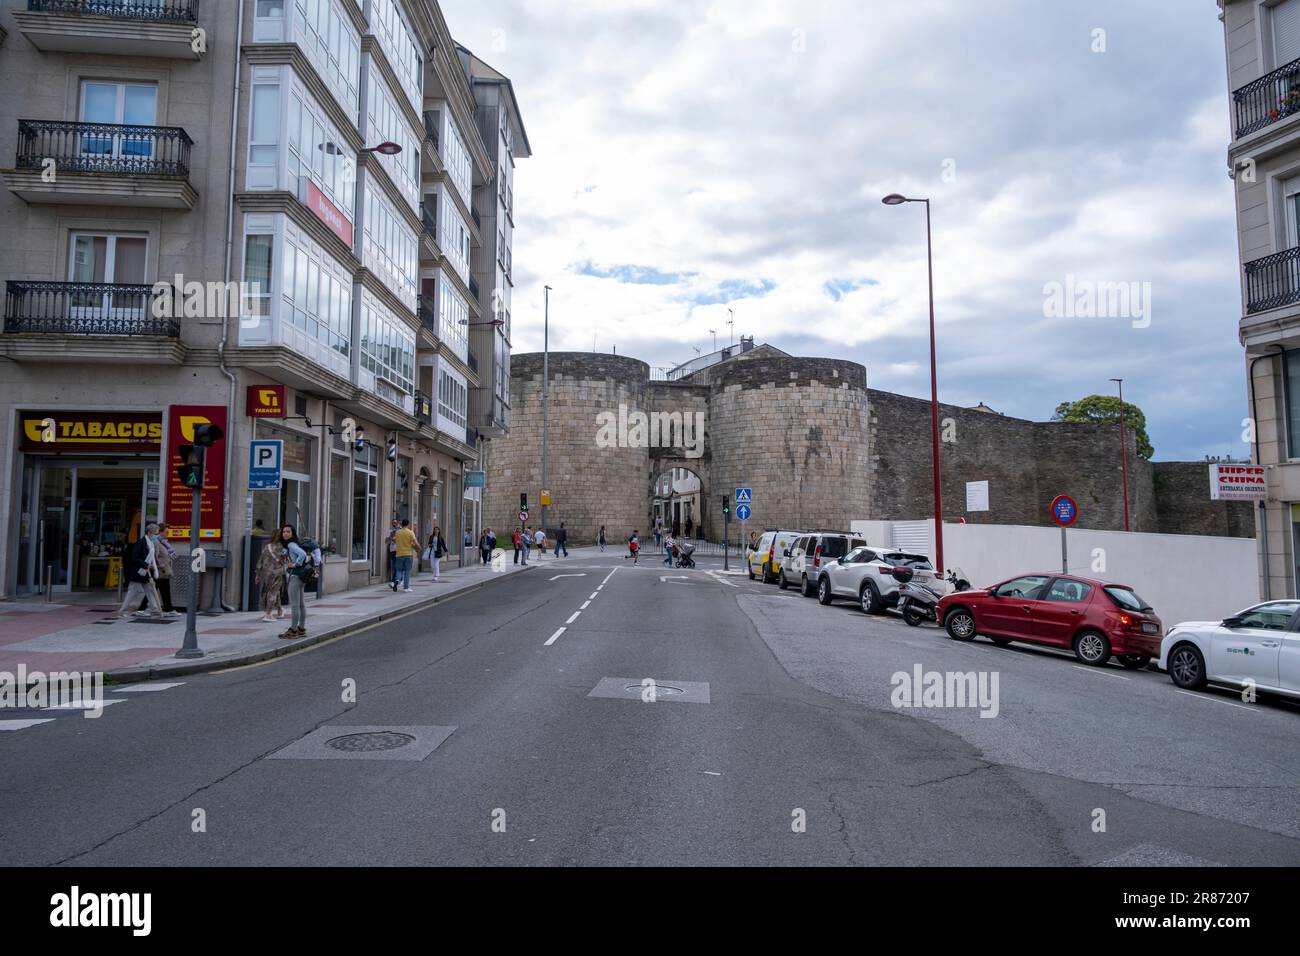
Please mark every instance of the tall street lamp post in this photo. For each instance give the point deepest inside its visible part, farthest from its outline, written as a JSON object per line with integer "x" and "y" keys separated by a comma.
{"x": 1123, "y": 447}
{"x": 546, "y": 379}
{"x": 894, "y": 199}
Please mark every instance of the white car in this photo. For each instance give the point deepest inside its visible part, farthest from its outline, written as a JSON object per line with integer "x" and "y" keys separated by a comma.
{"x": 865, "y": 575}
{"x": 1258, "y": 647}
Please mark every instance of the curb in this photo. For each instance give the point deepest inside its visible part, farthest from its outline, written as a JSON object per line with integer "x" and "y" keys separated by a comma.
{"x": 142, "y": 673}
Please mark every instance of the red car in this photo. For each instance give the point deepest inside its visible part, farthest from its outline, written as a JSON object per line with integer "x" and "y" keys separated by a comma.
{"x": 1093, "y": 618}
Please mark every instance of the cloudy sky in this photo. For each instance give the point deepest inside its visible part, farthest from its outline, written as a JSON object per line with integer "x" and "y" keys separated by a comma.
{"x": 692, "y": 156}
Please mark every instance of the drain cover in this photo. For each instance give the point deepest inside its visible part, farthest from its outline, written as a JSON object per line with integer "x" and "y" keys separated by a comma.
{"x": 385, "y": 740}
{"x": 661, "y": 690}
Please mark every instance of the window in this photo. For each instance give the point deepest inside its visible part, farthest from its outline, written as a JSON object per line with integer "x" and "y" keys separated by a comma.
{"x": 387, "y": 122}
{"x": 264, "y": 130}
{"x": 325, "y": 34}
{"x": 365, "y": 478}
{"x": 118, "y": 104}
{"x": 337, "y": 533}
{"x": 257, "y": 275}
{"x": 387, "y": 345}
{"x": 453, "y": 396}
{"x": 106, "y": 258}
{"x": 1026, "y": 587}
{"x": 1284, "y": 20}
{"x": 1126, "y": 598}
{"x": 1275, "y": 616}
{"x": 390, "y": 248}
{"x": 270, "y": 8}
{"x": 1068, "y": 592}
{"x": 319, "y": 154}
{"x": 400, "y": 47}
{"x": 325, "y": 316}
{"x": 453, "y": 317}
{"x": 455, "y": 238}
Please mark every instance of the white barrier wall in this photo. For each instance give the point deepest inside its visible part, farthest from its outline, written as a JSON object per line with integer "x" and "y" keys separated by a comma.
{"x": 1184, "y": 577}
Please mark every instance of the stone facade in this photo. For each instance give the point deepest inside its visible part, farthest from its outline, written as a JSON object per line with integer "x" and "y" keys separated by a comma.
{"x": 819, "y": 449}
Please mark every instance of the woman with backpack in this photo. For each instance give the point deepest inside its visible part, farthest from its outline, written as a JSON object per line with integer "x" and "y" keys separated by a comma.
{"x": 301, "y": 570}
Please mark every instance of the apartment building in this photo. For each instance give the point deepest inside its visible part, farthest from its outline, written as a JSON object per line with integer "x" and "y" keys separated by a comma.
{"x": 275, "y": 235}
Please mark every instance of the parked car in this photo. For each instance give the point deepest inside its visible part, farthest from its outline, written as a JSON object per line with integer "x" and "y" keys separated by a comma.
{"x": 809, "y": 552}
{"x": 866, "y": 575}
{"x": 1260, "y": 644}
{"x": 766, "y": 560}
{"x": 1093, "y": 618}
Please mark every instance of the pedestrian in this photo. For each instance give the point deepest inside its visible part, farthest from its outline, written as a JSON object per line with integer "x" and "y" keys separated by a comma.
{"x": 690, "y": 523}
{"x": 272, "y": 565}
{"x": 437, "y": 548}
{"x": 517, "y": 539}
{"x": 259, "y": 530}
{"x": 164, "y": 555}
{"x": 406, "y": 544}
{"x": 633, "y": 546}
{"x": 561, "y": 541}
{"x": 600, "y": 537}
{"x": 485, "y": 545}
{"x": 659, "y": 532}
{"x": 469, "y": 539}
{"x": 527, "y": 541}
{"x": 669, "y": 545}
{"x": 390, "y": 539}
{"x": 539, "y": 539}
{"x": 140, "y": 568}
{"x": 300, "y": 570}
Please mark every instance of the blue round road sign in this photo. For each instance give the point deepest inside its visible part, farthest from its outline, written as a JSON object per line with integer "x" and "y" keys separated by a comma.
{"x": 1064, "y": 510}
{"x": 742, "y": 512}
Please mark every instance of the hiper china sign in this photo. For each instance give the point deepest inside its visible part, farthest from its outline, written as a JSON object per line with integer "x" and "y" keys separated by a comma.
{"x": 1229, "y": 482}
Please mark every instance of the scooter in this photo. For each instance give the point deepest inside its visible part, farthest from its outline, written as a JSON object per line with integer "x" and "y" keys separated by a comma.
{"x": 918, "y": 602}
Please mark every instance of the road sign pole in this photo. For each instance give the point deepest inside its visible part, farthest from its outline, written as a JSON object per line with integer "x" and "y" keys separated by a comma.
{"x": 1065, "y": 563}
{"x": 726, "y": 540}
{"x": 191, "y": 646}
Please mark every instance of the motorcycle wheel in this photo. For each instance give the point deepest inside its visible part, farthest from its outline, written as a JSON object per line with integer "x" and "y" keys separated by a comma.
{"x": 913, "y": 616}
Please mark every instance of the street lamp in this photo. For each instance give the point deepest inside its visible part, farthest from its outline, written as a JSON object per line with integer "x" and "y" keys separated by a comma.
{"x": 387, "y": 148}
{"x": 472, "y": 324}
{"x": 894, "y": 199}
{"x": 731, "y": 328}
{"x": 546, "y": 376}
{"x": 1123, "y": 447}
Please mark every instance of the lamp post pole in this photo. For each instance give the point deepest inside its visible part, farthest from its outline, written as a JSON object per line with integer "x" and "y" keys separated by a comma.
{"x": 894, "y": 199}
{"x": 546, "y": 379}
{"x": 1123, "y": 447}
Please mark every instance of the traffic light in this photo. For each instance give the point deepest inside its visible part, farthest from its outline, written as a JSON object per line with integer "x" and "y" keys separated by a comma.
{"x": 205, "y": 436}
{"x": 523, "y": 501}
{"x": 726, "y": 505}
{"x": 190, "y": 470}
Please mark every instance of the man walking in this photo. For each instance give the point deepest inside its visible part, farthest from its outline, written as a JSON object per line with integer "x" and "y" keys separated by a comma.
{"x": 539, "y": 539}
{"x": 485, "y": 545}
{"x": 561, "y": 541}
{"x": 140, "y": 568}
{"x": 405, "y": 545}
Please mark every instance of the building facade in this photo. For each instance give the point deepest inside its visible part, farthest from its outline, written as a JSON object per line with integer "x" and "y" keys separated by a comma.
{"x": 1262, "y": 43}
{"x": 264, "y": 219}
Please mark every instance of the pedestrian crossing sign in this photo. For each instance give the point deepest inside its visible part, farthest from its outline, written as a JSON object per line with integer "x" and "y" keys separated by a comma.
{"x": 744, "y": 496}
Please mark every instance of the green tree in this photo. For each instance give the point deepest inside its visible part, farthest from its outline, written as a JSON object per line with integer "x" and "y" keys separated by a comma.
{"x": 1104, "y": 410}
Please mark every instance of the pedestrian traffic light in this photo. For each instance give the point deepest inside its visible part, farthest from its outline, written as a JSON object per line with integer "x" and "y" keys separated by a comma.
{"x": 190, "y": 470}
{"x": 726, "y": 505}
{"x": 205, "y": 436}
{"x": 523, "y": 501}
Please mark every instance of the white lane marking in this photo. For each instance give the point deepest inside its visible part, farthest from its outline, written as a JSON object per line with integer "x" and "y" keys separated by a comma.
{"x": 717, "y": 576}
{"x": 1217, "y": 701}
{"x": 1099, "y": 672}
{"x": 582, "y": 574}
{"x": 585, "y": 604}
{"x": 607, "y": 577}
{"x": 673, "y": 577}
{"x": 143, "y": 688}
{"x": 22, "y": 724}
{"x": 551, "y": 639}
{"x": 593, "y": 594}
{"x": 83, "y": 704}
{"x": 573, "y": 617}
{"x": 713, "y": 773}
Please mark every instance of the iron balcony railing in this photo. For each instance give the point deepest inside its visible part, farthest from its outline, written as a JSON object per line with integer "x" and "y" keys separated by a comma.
{"x": 1273, "y": 281}
{"x": 423, "y": 407}
{"x": 104, "y": 148}
{"x": 166, "y": 11}
{"x": 84, "y": 308}
{"x": 431, "y": 128}
{"x": 1268, "y": 99}
{"x": 428, "y": 317}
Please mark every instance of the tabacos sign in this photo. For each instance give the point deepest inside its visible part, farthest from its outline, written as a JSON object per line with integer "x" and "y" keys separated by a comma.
{"x": 1238, "y": 483}
{"x": 92, "y": 432}
{"x": 265, "y": 401}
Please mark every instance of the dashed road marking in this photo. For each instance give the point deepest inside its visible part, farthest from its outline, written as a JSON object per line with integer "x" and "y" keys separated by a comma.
{"x": 1216, "y": 700}
{"x": 573, "y": 617}
{"x": 551, "y": 640}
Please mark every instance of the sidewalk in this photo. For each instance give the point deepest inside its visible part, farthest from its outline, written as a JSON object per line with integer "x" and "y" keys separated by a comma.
{"x": 80, "y": 637}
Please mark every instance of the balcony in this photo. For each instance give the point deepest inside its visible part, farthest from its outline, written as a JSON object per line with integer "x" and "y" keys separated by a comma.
{"x": 147, "y": 28}
{"x": 473, "y": 286}
{"x": 104, "y": 164}
{"x": 1273, "y": 281}
{"x": 87, "y": 322}
{"x": 473, "y": 362}
{"x": 431, "y": 128}
{"x": 428, "y": 317}
{"x": 1272, "y": 97}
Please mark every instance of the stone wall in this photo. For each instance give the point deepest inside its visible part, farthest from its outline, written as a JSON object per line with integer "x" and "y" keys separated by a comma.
{"x": 1183, "y": 505}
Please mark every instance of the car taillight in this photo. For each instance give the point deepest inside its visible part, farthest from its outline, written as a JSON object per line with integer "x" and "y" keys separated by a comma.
{"x": 817, "y": 557}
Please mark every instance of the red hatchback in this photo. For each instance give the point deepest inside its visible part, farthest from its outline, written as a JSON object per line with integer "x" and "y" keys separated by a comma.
{"x": 1093, "y": 618}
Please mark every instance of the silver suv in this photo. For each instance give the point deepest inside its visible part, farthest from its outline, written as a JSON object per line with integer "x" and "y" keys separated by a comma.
{"x": 810, "y": 553}
{"x": 865, "y": 575}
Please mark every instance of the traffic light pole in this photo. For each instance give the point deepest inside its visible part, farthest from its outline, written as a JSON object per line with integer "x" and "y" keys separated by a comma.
{"x": 726, "y": 536}
{"x": 191, "y": 646}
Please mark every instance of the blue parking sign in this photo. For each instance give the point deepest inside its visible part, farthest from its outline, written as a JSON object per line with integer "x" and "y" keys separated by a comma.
{"x": 265, "y": 457}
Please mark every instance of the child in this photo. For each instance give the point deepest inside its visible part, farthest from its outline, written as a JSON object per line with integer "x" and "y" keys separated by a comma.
{"x": 633, "y": 546}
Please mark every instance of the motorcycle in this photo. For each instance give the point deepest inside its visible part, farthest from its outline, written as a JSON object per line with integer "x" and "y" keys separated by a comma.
{"x": 918, "y": 602}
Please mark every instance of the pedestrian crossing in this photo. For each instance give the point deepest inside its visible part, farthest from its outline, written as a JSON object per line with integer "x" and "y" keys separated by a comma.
{"x": 25, "y": 718}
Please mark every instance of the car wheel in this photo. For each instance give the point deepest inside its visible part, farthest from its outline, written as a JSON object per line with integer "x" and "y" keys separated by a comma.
{"x": 1187, "y": 667}
{"x": 1092, "y": 648}
{"x": 869, "y": 598}
{"x": 806, "y": 588}
{"x": 1000, "y": 641}
{"x": 824, "y": 591}
{"x": 1134, "y": 662}
{"x": 913, "y": 615}
{"x": 960, "y": 624}
{"x": 782, "y": 581}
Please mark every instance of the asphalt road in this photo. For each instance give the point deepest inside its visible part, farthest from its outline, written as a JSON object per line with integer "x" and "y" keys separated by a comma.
{"x": 798, "y": 727}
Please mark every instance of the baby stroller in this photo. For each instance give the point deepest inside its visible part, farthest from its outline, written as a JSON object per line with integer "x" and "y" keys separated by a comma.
{"x": 684, "y": 551}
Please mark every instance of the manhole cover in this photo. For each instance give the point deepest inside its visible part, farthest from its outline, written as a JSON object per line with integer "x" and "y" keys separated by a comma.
{"x": 353, "y": 743}
{"x": 661, "y": 690}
